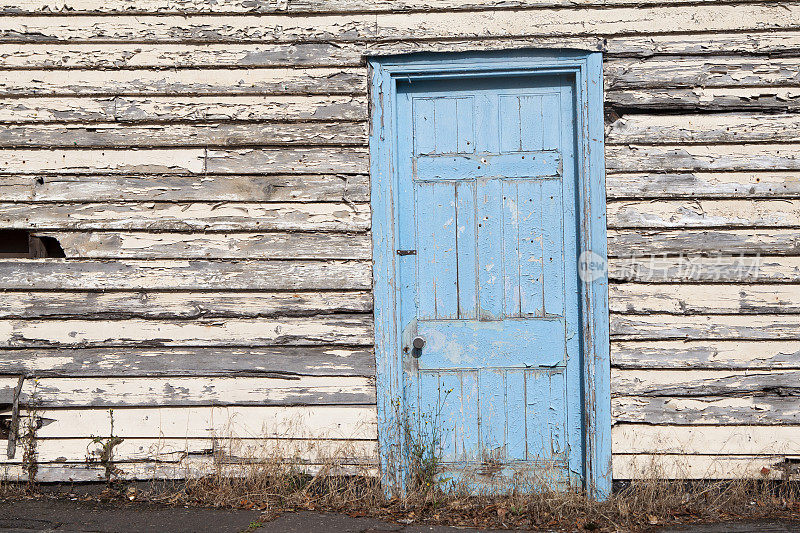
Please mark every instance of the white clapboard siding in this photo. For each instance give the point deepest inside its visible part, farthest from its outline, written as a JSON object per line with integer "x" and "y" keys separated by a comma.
{"x": 188, "y": 217}
{"x": 198, "y": 275}
{"x": 172, "y": 450}
{"x": 733, "y": 440}
{"x": 149, "y": 109}
{"x": 323, "y": 329}
{"x": 701, "y": 382}
{"x": 160, "y": 135}
{"x": 719, "y": 70}
{"x": 191, "y": 467}
{"x": 305, "y": 6}
{"x": 181, "y": 391}
{"x": 221, "y": 81}
{"x": 707, "y": 99}
{"x": 294, "y": 422}
{"x": 619, "y": 74}
{"x": 631, "y": 158}
{"x": 540, "y": 22}
{"x": 712, "y": 128}
{"x": 110, "y": 245}
{"x": 637, "y": 242}
{"x": 746, "y": 408}
{"x": 205, "y": 304}
{"x": 144, "y": 55}
{"x": 186, "y": 188}
{"x": 698, "y": 299}
{"x": 186, "y": 160}
{"x": 665, "y": 326}
{"x": 721, "y": 184}
{"x": 704, "y": 213}
{"x": 333, "y": 360}
{"x": 682, "y": 466}
{"x": 715, "y": 268}
{"x": 706, "y": 354}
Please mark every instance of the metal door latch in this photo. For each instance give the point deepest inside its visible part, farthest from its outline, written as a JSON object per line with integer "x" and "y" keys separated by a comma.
{"x": 406, "y": 252}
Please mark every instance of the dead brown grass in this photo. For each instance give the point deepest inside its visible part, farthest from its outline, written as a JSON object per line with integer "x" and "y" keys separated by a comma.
{"x": 635, "y": 506}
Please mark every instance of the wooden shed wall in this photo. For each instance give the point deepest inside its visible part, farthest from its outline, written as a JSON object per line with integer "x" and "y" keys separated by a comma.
{"x": 204, "y": 167}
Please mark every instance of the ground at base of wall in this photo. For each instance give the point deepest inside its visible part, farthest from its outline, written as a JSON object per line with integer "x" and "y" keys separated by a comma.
{"x": 78, "y": 516}
{"x": 266, "y": 503}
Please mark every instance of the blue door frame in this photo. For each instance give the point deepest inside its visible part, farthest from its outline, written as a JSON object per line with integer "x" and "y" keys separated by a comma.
{"x": 586, "y": 71}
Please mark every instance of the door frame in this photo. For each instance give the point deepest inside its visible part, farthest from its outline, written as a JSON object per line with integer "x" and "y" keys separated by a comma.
{"x": 587, "y": 69}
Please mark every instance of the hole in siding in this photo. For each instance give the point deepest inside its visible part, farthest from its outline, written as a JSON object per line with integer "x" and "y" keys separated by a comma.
{"x": 22, "y": 244}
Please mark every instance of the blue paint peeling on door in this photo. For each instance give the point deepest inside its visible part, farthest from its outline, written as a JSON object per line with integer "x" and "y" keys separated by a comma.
{"x": 486, "y": 197}
{"x": 487, "y": 186}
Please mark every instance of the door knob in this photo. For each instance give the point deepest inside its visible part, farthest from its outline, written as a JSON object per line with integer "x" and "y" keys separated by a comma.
{"x": 417, "y": 345}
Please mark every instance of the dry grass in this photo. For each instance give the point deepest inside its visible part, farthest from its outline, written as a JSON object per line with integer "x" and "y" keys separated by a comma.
{"x": 278, "y": 486}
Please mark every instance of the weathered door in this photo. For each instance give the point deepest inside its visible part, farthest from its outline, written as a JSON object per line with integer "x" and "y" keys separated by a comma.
{"x": 488, "y": 282}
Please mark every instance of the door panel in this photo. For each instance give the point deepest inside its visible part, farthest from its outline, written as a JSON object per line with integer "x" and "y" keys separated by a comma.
{"x": 486, "y": 201}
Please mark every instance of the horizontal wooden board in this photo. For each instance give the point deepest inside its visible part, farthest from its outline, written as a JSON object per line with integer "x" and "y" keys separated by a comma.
{"x": 158, "y": 109}
{"x": 304, "y": 160}
{"x": 692, "y": 383}
{"x": 763, "y": 184}
{"x": 147, "y": 55}
{"x": 185, "y": 391}
{"x": 214, "y": 246}
{"x": 288, "y": 452}
{"x": 725, "y": 440}
{"x": 187, "y": 82}
{"x": 187, "y": 217}
{"x": 33, "y": 7}
{"x": 636, "y": 298}
{"x": 754, "y": 41}
{"x": 663, "y": 326}
{"x": 398, "y": 26}
{"x": 185, "y": 188}
{"x": 632, "y": 242}
{"x": 710, "y": 410}
{"x": 719, "y": 70}
{"x": 704, "y": 129}
{"x": 314, "y": 330}
{"x": 199, "y": 275}
{"x": 718, "y": 269}
{"x": 189, "y": 468}
{"x": 619, "y": 74}
{"x": 193, "y": 361}
{"x": 327, "y": 159}
{"x": 714, "y": 354}
{"x": 704, "y": 213}
{"x": 647, "y": 158}
{"x": 706, "y": 99}
{"x": 294, "y": 422}
{"x": 169, "y": 305}
{"x": 681, "y": 466}
{"x": 159, "y": 135}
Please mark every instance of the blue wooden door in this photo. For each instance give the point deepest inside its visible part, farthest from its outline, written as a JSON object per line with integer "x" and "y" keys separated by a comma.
{"x": 488, "y": 283}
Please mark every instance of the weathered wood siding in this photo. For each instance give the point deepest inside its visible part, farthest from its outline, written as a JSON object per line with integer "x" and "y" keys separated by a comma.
{"x": 204, "y": 167}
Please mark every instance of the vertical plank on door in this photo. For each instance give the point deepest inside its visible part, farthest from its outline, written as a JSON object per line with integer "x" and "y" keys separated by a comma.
{"x": 552, "y": 247}
{"x": 510, "y": 137}
{"x": 531, "y": 122}
{"x": 545, "y": 411}
{"x": 511, "y": 255}
{"x": 551, "y": 121}
{"x": 493, "y": 413}
{"x": 424, "y": 139}
{"x": 515, "y": 418}
{"x": 529, "y": 197}
{"x": 436, "y": 250}
{"x": 465, "y": 113}
{"x": 466, "y": 252}
{"x": 445, "y": 125}
{"x": 490, "y": 249}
